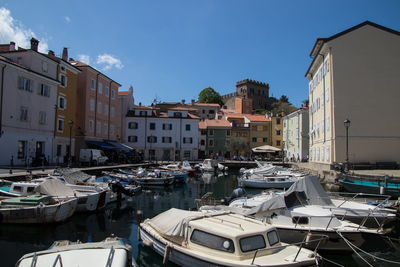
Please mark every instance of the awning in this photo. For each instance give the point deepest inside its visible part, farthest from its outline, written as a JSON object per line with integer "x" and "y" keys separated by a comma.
{"x": 266, "y": 149}
{"x": 120, "y": 146}
{"x": 101, "y": 145}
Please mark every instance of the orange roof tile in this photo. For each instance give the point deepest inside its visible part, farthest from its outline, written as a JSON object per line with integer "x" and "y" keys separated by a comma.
{"x": 214, "y": 123}
{"x": 123, "y": 92}
{"x": 258, "y": 118}
{"x": 206, "y": 104}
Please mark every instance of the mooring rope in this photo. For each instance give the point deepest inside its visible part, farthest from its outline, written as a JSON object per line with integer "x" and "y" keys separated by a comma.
{"x": 353, "y": 247}
{"x": 330, "y": 261}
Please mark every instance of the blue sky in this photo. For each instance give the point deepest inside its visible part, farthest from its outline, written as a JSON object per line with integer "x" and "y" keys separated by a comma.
{"x": 173, "y": 49}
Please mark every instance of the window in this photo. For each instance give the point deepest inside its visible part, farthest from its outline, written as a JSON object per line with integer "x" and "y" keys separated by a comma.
{"x": 244, "y": 134}
{"x": 98, "y": 127}
{"x": 328, "y": 154}
{"x": 91, "y": 104}
{"x": 107, "y": 91}
{"x": 111, "y": 130}
{"x": 132, "y": 125}
{"x": 252, "y": 243}
{"x": 44, "y": 90}
{"x": 91, "y": 127}
{"x": 328, "y": 124}
{"x": 211, "y": 132}
{"x": 61, "y": 102}
{"x": 300, "y": 220}
{"x": 265, "y": 139}
{"x": 60, "y": 125}
{"x": 272, "y": 237}
{"x": 99, "y": 107}
{"x": 265, "y": 128}
{"x": 105, "y": 126}
{"x": 167, "y": 139}
{"x": 93, "y": 85}
{"x": 100, "y": 88}
{"x": 278, "y": 121}
{"x": 63, "y": 80}
{"x": 132, "y": 138}
{"x": 59, "y": 149}
{"x": 211, "y": 111}
{"x": 24, "y": 84}
{"x": 278, "y": 142}
{"x": 152, "y": 139}
{"x": 152, "y": 125}
{"x": 167, "y": 126}
{"x": 112, "y": 94}
{"x": 228, "y": 132}
{"x": 21, "y": 149}
{"x": 202, "y": 142}
{"x": 237, "y": 134}
{"x": 42, "y": 117}
{"x": 112, "y": 112}
{"x": 23, "y": 114}
{"x": 106, "y": 109}
{"x": 327, "y": 94}
{"x": 187, "y": 127}
{"x": 177, "y": 114}
{"x": 254, "y": 139}
{"x": 322, "y": 153}
{"x": 203, "y": 132}
{"x": 143, "y": 113}
{"x": 278, "y": 132}
{"x": 211, "y": 142}
{"x": 44, "y": 66}
{"x": 187, "y": 140}
{"x": 186, "y": 154}
{"x": 254, "y": 127}
{"x": 212, "y": 241}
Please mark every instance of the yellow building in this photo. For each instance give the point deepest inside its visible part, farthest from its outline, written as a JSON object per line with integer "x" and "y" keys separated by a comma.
{"x": 276, "y": 132}
{"x": 65, "y": 109}
{"x": 240, "y": 140}
{"x": 260, "y": 130}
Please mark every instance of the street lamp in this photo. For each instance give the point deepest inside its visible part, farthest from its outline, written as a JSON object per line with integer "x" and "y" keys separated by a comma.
{"x": 70, "y": 123}
{"x": 347, "y": 125}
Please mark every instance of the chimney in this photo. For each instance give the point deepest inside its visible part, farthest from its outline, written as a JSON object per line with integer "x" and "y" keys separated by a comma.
{"x": 12, "y": 46}
{"x": 65, "y": 54}
{"x": 140, "y": 104}
{"x": 192, "y": 102}
{"x": 51, "y": 53}
{"x": 183, "y": 102}
{"x": 34, "y": 44}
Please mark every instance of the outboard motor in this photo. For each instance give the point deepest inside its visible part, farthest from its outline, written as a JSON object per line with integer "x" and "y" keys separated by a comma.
{"x": 238, "y": 192}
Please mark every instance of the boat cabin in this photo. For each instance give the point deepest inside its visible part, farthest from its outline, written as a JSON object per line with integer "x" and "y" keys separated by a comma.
{"x": 23, "y": 188}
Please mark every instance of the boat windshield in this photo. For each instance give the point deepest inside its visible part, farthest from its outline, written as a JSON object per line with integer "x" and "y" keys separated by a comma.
{"x": 252, "y": 243}
{"x": 296, "y": 199}
{"x": 273, "y": 237}
{"x": 212, "y": 241}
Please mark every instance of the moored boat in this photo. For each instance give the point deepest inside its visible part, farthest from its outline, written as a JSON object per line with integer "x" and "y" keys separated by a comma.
{"x": 190, "y": 238}
{"x": 112, "y": 252}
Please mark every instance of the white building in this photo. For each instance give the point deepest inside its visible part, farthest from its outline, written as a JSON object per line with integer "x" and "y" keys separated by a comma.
{"x": 296, "y": 135}
{"x": 355, "y": 75}
{"x": 163, "y": 136}
{"x": 28, "y": 98}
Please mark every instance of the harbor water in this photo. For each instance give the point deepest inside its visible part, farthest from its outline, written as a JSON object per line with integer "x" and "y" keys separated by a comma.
{"x": 121, "y": 220}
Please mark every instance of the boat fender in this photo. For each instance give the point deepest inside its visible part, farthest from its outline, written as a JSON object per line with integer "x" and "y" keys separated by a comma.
{"x": 308, "y": 238}
{"x": 148, "y": 243}
{"x": 166, "y": 254}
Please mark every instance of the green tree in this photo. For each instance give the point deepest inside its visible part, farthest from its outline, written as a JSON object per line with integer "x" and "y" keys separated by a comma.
{"x": 209, "y": 95}
{"x": 284, "y": 99}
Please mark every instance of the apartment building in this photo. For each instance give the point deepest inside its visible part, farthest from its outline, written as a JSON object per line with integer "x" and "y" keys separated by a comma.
{"x": 276, "y": 131}
{"x": 260, "y": 130}
{"x": 354, "y": 75}
{"x": 240, "y": 139}
{"x": 296, "y": 135}
{"x": 126, "y": 103}
{"x": 28, "y": 97}
{"x": 98, "y": 112}
{"x": 217, "y": 135}
{"x": 171, "y": 135}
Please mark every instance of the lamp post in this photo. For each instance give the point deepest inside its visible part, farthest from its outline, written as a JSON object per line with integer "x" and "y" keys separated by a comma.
{"x": 70, "y": 123}
{"x": 347, "y": 125}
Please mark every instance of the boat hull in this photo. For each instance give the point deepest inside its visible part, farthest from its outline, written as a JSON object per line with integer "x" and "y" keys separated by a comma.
{"x": 259, "y": 183}
{"x": 356, "y": 186}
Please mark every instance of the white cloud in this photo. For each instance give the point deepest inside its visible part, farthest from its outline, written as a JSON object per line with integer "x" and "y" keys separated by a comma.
{"x": 67, "y": 19}
{"x": 84, "y": 59}
{"x": 13, "y": 30}
{"x": 109, "y": 61}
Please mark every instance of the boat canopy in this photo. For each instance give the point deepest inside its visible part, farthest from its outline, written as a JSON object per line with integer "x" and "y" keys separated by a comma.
{"x": 174, "y": 222}
{"x": 307, "y": 190}
{"x": 54, "y": 187}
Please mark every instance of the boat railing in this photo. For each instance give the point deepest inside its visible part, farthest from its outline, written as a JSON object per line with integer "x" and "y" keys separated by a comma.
{"x": 299, "y": 244}
{"x": 238, "y": 225}
{"x": 110, "y": 257}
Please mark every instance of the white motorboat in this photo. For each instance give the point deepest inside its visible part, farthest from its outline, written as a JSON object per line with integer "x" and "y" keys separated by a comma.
{"x": 211, "y": 165}
{"x": 190, "y": 238}
{"x": 297, "y": 213}
{"x": 112, "y": 252}
{"x": 36, "y": 209}
{"x": 266, "y": 181}
{"x": 347, "y": 209}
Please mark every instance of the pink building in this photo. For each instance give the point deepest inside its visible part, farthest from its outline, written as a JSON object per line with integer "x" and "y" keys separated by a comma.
{"x": 98, "y": 112}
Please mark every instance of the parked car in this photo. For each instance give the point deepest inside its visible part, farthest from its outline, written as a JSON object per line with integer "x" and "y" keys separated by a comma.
{"x": 92, "y": 156}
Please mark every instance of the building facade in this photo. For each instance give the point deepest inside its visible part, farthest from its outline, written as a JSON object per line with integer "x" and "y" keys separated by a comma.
{"x": 163, "y": 136}
{"x": 98, "y": 112}
{"x": 217, "y": 135}
{"x": 296, "y": 135}
{"x": 260, "y": 130}
{"x": 276, "y": 131}
{"x": 354, "y": 75}
{"x": 28, "y": 97}
{"x": 240, "y": 140}
{"x": 126, "y": 103}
